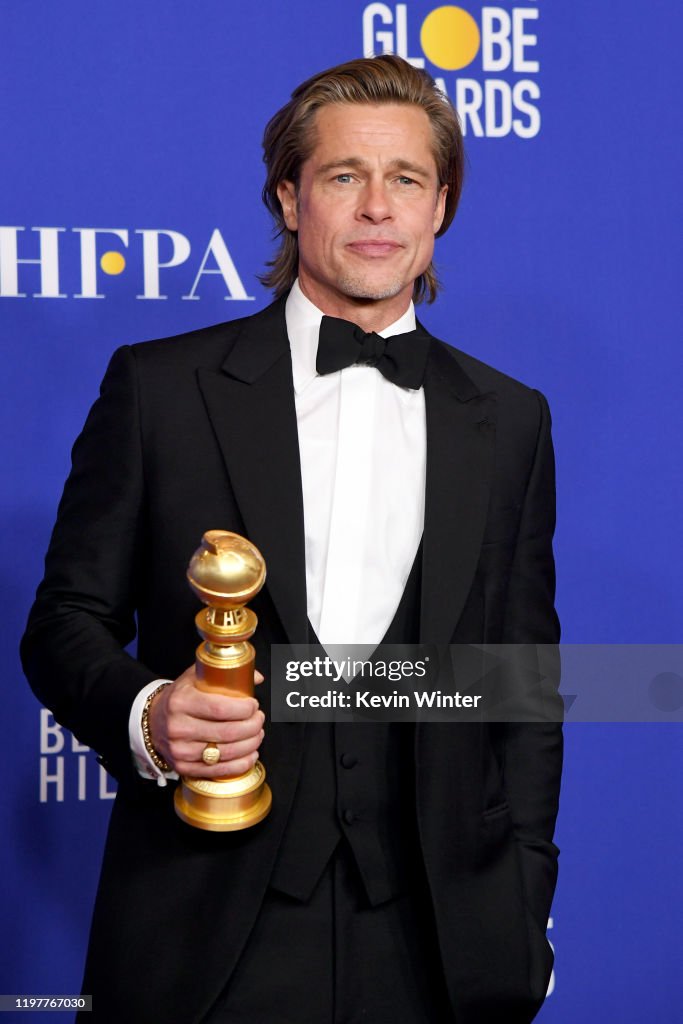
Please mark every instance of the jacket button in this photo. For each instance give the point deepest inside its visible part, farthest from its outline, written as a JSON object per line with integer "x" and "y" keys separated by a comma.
{"x": 348, "y": 760}
{"x": 349, "y": 817}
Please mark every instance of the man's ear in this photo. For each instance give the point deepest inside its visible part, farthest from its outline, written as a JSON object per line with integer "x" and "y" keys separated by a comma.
{"x": 286, "y": 193}
{"x": 440, "y": 208}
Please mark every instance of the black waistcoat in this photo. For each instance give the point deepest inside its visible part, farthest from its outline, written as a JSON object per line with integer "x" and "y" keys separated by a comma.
{"x": 357, "y": 785}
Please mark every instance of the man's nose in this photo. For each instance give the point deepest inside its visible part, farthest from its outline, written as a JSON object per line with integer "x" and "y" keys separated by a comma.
{"x": 375, "y": 204}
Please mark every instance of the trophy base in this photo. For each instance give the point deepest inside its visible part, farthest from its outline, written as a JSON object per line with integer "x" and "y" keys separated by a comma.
{"x": 224, "y": 805}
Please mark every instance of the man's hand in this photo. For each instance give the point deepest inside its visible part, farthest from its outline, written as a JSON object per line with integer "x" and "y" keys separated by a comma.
{"x": 183, "y": 719}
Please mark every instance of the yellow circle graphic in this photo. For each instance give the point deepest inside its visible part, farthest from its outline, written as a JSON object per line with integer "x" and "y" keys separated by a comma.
{"x": 450, "y": 38}
{"x": 112, "y": 262}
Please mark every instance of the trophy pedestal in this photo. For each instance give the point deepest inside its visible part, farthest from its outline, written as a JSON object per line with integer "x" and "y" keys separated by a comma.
{"x": 224, "y": 805}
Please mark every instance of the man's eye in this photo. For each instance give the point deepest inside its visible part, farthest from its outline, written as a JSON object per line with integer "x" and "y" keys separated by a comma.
{"x": 343, "y": 179}
{"x": 405, "y": 180}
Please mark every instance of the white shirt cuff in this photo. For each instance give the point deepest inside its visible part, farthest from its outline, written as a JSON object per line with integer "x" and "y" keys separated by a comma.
{"x": 143, "y": 762}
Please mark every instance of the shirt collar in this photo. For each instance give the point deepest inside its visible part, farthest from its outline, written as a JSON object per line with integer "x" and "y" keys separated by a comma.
{"x": 303, "y": 324}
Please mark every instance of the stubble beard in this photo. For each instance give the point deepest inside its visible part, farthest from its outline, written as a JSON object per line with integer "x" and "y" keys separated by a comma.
{"x": 356, "y": 287}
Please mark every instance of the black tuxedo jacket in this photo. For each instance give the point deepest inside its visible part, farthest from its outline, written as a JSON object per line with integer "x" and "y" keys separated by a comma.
{"x": 199, "y": 432}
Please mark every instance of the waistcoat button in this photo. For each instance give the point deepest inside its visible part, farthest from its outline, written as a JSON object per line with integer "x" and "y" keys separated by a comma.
{"x": 349, "y": 817}
{"x": 348, "y": 760}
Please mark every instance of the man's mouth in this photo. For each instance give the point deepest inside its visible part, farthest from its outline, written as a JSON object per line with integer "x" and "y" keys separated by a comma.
{"x": 374, "y": 247}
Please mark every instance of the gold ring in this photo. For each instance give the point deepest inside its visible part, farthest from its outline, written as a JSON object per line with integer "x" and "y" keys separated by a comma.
{"x": 211, "y": 754}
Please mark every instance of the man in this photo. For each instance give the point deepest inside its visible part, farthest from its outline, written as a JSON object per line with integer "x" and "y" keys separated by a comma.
{"x": 404, "y": 873}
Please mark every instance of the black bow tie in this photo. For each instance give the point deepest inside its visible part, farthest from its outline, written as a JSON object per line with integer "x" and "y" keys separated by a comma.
{"x": 401, "y": 359}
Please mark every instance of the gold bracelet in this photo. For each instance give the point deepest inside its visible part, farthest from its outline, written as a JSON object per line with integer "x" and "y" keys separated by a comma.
{"x": 160, "y": 763}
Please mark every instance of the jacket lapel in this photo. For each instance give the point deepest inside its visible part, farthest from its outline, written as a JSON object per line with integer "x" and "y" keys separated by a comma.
{"x": 460, "y": 450}
{"x": 251, "y": 406}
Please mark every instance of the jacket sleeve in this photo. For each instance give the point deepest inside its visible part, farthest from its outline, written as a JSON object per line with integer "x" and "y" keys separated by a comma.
{"x": 532, "y": 752}
{"x": 84, "y": 613}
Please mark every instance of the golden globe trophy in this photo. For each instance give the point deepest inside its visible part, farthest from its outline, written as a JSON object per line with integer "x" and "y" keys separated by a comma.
{"x": 225, "y": 573}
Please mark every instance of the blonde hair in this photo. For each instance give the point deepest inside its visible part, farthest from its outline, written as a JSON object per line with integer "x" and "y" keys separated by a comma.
{"x": 289, "y": 140}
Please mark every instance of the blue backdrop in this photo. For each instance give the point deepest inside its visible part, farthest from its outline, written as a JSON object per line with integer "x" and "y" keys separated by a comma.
{"x": 129, "y": 208}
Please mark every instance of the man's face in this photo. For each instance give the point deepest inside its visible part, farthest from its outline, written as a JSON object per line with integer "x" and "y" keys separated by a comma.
{"x": 366, "y": 210}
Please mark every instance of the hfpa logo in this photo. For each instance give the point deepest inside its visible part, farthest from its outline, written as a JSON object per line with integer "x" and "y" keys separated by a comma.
{"x": 149, "y": 250}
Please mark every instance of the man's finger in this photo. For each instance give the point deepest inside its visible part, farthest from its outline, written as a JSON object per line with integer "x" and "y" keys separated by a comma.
{"x": 214, "y": 707}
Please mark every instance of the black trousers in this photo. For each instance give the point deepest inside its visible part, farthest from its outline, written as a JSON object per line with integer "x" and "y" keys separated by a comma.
{"x": 337, "y": 960}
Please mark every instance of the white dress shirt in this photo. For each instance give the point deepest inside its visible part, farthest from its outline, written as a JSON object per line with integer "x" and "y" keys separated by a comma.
{"x": 363, "y": 448}
{"x": 363, "y": 456}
